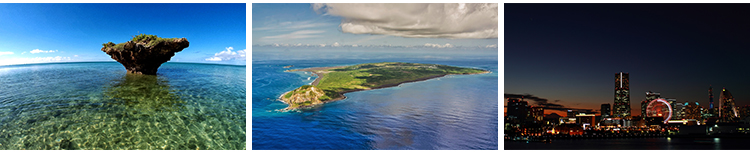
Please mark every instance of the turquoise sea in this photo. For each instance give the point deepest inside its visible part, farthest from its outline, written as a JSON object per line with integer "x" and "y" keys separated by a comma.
{"x": 97, "y": 105}
{"x": 452, "y": 112}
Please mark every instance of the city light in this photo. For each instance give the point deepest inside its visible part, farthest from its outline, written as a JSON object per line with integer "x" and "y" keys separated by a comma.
{"x": 665, "y": 105}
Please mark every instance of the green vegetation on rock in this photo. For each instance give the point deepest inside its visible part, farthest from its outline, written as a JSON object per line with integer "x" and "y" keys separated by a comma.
{"x": 148, "y": 40}
{"x": 288, "y": 95}
{"x": 334, "y": 82}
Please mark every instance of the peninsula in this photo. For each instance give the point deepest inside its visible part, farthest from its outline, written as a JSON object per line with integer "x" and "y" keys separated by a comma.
{"x": 333, "y": 82}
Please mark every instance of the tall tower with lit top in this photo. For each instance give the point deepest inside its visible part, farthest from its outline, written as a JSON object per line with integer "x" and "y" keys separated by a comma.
{"x": 622, "y": 95}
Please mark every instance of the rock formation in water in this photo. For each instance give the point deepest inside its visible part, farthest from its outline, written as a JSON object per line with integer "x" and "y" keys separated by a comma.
{"x": 145, "y": 53}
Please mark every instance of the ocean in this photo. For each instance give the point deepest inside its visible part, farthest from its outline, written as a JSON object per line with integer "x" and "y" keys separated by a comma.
{"x": 451, "y": 112}
{"x": 97, "y": 105}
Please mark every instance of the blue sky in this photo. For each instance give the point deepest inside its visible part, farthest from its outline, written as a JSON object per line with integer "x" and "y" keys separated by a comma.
{"x": 39, "y": 33}
{"x": 358, "y": 25}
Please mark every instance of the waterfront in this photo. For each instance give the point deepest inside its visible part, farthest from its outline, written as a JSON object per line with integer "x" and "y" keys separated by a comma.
{"x": 657, "y": 143}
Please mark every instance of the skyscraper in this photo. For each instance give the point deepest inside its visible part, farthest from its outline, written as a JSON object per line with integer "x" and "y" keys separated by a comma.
{"x": 606, "y": 111}
{"x": 727, "y": 108}
{"x": 622, "y": 95}
{"x": 517, "y": 110}
{"x": 710, "y": 97}
{"x": 677, "y": 110}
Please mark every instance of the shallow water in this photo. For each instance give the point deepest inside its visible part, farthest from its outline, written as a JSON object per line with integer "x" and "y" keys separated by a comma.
{"x": 452, "y": 112}
{"x": 99, "y": 106}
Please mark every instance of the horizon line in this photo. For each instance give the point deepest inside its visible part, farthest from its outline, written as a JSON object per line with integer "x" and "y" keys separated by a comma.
{"x": 46, "y": 63}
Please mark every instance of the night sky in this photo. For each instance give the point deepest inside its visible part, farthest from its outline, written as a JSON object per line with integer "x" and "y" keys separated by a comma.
{"x": 568, "y": 54}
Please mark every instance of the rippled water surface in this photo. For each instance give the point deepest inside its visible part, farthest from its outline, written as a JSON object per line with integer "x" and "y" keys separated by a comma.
{"x": 99, "y": 106}
{"x": 452, "y": 112}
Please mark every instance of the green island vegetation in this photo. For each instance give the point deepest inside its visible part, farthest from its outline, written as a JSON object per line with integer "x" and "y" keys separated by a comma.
{"x": 333, "y": 82}
{"x": 147, "y": 39}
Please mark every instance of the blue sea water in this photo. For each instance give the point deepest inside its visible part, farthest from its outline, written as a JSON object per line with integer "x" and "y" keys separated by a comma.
{"x": 452, "y": 112}
{"x": 99, "y": 106}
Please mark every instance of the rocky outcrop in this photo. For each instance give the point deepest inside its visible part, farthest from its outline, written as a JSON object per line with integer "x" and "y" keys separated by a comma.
{"x": 145, "y": 53}
{"x": 304, "y": 96}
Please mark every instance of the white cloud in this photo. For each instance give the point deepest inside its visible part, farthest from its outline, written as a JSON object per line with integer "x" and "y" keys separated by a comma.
{"x": 297, "y": 35}
{"x": 6, "y": 53}
{"x": 227, "y": 55}
{"x": 417, "y": 20}
{"x": 50, "y": 59}
{"x": 338, "y": 45}
{"x": 447, "y": 45}
{"x": 41, "y": 51}
{"x": 213, "y": 59}
{"x": 288, "y": 26}
{"x": 75, "y": 55}
{"x": 306, "y": 25}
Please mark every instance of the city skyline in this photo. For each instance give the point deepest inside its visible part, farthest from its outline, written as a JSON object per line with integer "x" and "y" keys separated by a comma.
{"x": 565, "y": 54}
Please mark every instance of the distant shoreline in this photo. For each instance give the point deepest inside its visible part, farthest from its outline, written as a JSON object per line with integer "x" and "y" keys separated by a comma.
{"x": 75, "y": 62}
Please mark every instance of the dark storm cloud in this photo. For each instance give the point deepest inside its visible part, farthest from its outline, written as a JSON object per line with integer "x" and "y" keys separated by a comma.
{"x": 544, "y": 103}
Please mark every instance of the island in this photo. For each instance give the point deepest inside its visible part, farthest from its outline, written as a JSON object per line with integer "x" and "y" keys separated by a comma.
{"x": 333, "y": 82}
{"x": 145, "y": 53}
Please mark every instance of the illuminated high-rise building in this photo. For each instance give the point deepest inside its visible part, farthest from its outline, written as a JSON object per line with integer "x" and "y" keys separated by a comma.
{"x": 622, "y": 95}
{"x": 727, "y": 109}
{"x": 606, "y": 111}
{"x": 517, "y": 110}
{"x": 677, "y": 110}
{"x": 744, "y": 111}
{"x": 693, "y": 111}
{"x": 710, "y": 97}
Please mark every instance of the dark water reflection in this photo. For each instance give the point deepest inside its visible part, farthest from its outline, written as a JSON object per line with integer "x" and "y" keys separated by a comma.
{"x": 662, "y": 143}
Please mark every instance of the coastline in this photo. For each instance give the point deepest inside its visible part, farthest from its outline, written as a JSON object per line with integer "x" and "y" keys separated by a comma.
{"x": 320, "y": 75}
{"x": 397, "y": 84}
{"x": 314, "y": 70}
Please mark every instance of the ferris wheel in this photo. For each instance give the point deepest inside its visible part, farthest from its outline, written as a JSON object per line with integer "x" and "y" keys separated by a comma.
{"x": 659, "y": 108}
